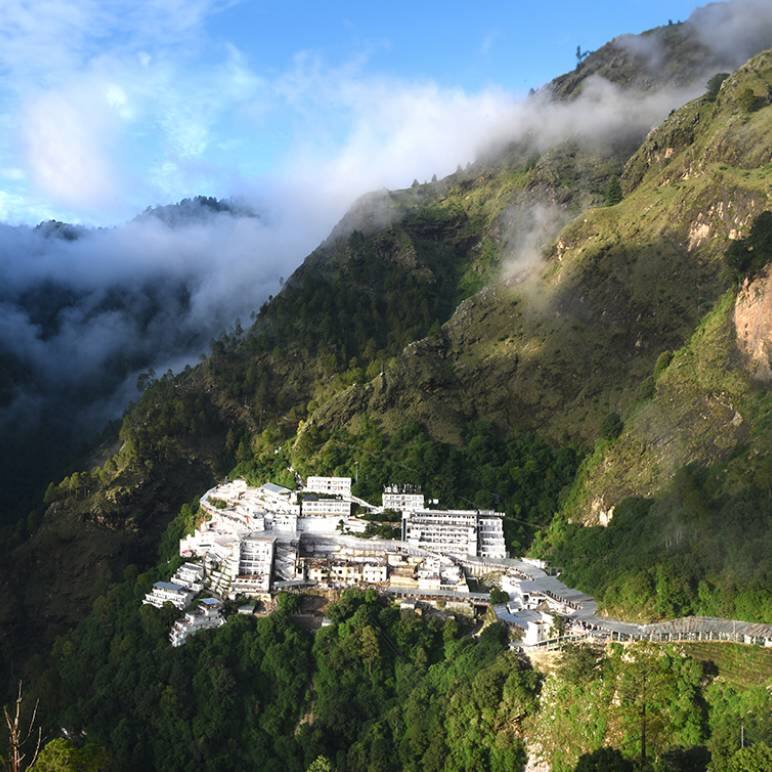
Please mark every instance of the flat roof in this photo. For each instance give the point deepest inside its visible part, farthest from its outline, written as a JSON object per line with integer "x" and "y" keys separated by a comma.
{"x": 258, "y": 536}
{"x": 169, "y": 586}
{"x": 274, "y": 488}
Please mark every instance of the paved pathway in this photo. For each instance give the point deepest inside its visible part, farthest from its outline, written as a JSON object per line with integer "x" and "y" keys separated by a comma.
{"x": 584, "y": 612}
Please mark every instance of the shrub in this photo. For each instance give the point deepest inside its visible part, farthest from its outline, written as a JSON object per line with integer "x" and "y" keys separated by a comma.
{"x": 498, "y": 596}
{"x": 612, "y": 426}
{"x": 714, "y": 85}
{"x": 663, "y": 360}
{"x": 749, "y": 255}
{"x": 613, "y": 192}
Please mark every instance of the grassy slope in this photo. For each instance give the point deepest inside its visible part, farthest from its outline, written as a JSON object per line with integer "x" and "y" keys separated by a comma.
{"x": 704, "y": 402}
{"x": 736, "y": 664}
{"x": 557, "y": 353}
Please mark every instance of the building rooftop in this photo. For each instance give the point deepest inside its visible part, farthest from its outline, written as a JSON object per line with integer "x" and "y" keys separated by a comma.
{"x": 170, "y": 586}
{"x": 274, "y": 488}
{"x": 258, "y": 536}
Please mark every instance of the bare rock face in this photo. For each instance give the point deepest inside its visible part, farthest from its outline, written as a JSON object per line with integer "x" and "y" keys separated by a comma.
{"x": 753, "y": 325}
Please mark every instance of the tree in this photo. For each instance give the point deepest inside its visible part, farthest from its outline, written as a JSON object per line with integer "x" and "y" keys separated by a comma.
{"x": 497, "y": 596}
{"x": 320, "y": 764}
{"x": 369, "y": 649}
{"x": 21, "y": 739}
{"x": 714, "y": 85}
{"x": 755, "y": 758}
{"x": 603, "y": 760}
{"x": 612, "y": 426}
{"x": 613, "y": 192}
{"x": 747, "y": 256}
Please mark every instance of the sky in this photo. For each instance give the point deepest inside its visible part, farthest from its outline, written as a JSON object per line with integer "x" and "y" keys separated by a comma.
{"x": 108, "y": 106}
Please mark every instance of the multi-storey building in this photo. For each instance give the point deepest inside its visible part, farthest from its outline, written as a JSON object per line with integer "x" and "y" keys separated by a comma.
{"x": 402, "y": 497}
{"x": 168, "y": 592}
{"x": 334, "y": 486}
{"x": 458, "y": 532}
{"x": 337, "y": 572}
{"x": 440, "y": 573}
{"x": 207, "y": 616}
{"x": 190, "y": 575}
{"x": 324, "y": 506}
{"x": 255, "y": 565}
{"x": 490, "y": 535}
{"x": 447, "y": 532}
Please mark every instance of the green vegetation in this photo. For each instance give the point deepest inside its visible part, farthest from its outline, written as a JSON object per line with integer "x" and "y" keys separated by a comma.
{"x": 741, "y": 666}
{"x": 714, "y": 85}
{"x": 748, "y": 256}
{"x": 378, "y": 689}
{"x": 692, "y": 550}
{"x": 498, "y": 596}
{"x": 367, "y": 364}
{"x": 748, "y": 100}
{"x": 612, "y": 426}
{"x": 520, "y": 475}
{"x": 613, "y": 192}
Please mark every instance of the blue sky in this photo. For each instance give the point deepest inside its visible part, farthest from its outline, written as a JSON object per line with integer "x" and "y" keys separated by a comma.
{"x": 107, "y": 106}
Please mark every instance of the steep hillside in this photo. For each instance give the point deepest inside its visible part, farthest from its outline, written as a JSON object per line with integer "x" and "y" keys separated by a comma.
{"x": 443, "y": 306}
{"x": 560, "y": 349}
{"x": 695, "y": 447}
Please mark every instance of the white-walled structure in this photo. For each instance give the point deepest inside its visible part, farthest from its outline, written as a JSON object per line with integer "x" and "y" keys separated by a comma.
{"x": 440, "y": 573}
{"x": 536, "y": 626}
{"x": 344, "y": 572}
{"x": 255, "y": 565}
{"x": 402, "y": 497}
{"x": 458, "y": 532}
{"x": 490, "y": 535}
{"x": 207, "y": 616}
{"x": 168, "y": 592}
{"x": 333, "y": 486}
{"x": 190, "y": 575}
{"x": 322, "y": 506}
{"x": 447, "y": 532}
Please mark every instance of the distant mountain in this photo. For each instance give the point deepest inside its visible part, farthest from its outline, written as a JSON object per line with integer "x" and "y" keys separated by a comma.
{"x": 70, "y": 288}
{"x": 197, "y": 209}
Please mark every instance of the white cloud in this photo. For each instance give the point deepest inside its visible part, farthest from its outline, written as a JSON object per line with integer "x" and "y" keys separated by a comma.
{"x": 67, "y": 149}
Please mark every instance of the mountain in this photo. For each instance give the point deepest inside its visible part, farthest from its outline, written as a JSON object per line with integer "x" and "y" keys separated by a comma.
{"x": 123, "y": 301}
{"x": 545, "y": 304}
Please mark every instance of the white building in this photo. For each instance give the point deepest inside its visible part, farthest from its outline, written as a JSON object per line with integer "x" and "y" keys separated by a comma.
{"x": 190, "y": 575}
{"x": 457, "y": 532}
{"x": 440, "y": 573}
{"x": 284, "y": 521}
{"x": 333, "y": 486}
{"x": 277, "y": 495}
{"x": 207, "y": 616}
{"x": 402, "y": 497}
{"x": 447, "y": 532}
{"x": 322, "y": 506}
{"x": 222, "y": 564}
{"x": 255, "y": 565}
{"x": 535, "y": 626}
{"x": 490, "y": 535}
{"x": 339, "y": 572}
{"x": 168, "y": 592}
